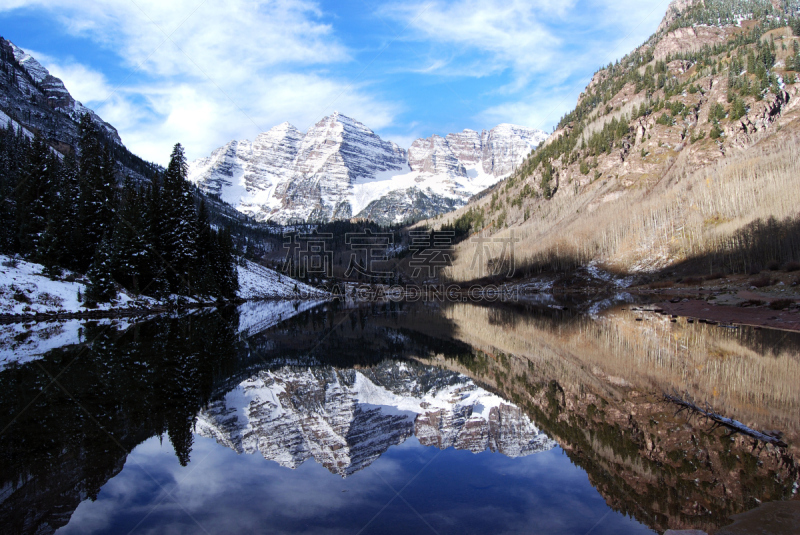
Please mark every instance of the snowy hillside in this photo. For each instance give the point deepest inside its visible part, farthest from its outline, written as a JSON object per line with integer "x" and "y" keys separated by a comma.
{"x": 258, "y": 282}
{"x": 24, "y": 289}
{"x": 341, "y": 169}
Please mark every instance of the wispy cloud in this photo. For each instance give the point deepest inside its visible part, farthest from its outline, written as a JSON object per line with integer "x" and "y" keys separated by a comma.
{"x": 226, "y": 39}
{"x": 548, "y": 48}
{"x": 529, "y": 37}
{"x": 510, "y": 33}
{"x": 204, "y": 72}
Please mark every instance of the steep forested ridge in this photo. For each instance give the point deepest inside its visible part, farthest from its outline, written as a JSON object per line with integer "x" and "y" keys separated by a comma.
{"x": 41, "y": 103}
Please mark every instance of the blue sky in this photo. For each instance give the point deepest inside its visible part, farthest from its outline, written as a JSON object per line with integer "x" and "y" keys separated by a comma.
{"x": 203, "y": 72}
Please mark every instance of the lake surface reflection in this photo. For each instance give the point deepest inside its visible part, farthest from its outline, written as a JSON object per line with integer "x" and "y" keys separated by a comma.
{"x": 394, "y": 418}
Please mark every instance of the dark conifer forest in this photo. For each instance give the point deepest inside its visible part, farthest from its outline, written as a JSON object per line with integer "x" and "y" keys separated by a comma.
{"x": 76, "y": 213}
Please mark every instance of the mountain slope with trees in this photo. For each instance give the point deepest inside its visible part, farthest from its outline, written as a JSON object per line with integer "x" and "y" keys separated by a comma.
{"x": 682, "y": 153}
{"x": 41, "y": 103}
{"x": 69, "y": 213}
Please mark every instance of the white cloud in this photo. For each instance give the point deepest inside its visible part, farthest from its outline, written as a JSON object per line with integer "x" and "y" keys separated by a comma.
{"x": 545, "y": 45}
{"x": 228, "y": 39}
{"x": 513, "y": 33}
{"x": 529, "y": 37}
{"x": 206, "y": 72}
{"x": 84, "y": 83}
{"x": 537, "y": 111}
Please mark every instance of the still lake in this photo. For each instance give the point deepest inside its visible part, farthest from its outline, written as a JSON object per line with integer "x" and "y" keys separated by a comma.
{"x": 392, "y": 418}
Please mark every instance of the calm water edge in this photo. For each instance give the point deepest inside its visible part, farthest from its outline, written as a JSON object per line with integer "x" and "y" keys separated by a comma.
{"x": 393, "y": 418}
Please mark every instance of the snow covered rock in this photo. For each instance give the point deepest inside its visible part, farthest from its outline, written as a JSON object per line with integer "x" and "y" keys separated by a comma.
{"x": 341, "y": 169}
{"x": 468, "y": 154}
{"x": 54, "y": 93}
{"x": 346, "y": 419}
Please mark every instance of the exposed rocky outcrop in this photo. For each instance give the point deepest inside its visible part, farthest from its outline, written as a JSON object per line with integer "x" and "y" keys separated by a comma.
{"x": 38, "y": 102}
{"x": 36, "y": 87}
{"x": 761, "y": 116}
{"x": 409, "y": 204}
{"x": 675, "y": 9}
{"x": 691, "y": 39}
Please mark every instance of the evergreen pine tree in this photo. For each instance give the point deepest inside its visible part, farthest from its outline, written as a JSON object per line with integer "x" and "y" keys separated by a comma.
{"x": 131, "y": 252}
{"x": 62, "y": 236}
{"x": 178, "y": 236}
{"x": 205, "y": 257}
{"x": 227, "y": 274}
{"x": 155, "y": 281}
{"x": 97, "y": 190}
{"x": 101, "y": 281}
{"x": 33, "y": 196}
{"x": 10, "y": 162}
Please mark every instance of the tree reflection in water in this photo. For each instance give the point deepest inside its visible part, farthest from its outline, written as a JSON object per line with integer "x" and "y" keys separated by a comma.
{"x": 593, "y": 384}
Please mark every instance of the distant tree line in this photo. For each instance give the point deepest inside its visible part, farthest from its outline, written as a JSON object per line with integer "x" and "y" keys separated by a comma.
{"x": 71, "y": 213}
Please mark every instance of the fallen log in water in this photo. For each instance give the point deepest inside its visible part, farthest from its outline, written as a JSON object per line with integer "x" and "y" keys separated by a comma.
{"x": 722, "y": 421}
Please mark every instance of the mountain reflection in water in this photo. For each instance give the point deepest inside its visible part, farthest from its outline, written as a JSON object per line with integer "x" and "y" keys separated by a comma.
{"x": 431, "y": 414}
{"x": 345, "y": 419}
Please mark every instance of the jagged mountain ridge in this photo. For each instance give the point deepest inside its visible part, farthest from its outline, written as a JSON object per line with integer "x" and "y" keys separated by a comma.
{"x": 346, "y": 419}
{"x": 58, "y": 98}
{"x": 341, "y": 169}
{"x": 37, "y": 101}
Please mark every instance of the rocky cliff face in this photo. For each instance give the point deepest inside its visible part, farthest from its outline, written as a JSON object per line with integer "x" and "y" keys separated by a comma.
{"x": 39, "y": 102}
{"x": 686, "y": 105}
{"x": 341, "y": 169}
{"x": 40, "y": 84}
{"x": 492, "y": 152}
{"x": 346, "y": 419}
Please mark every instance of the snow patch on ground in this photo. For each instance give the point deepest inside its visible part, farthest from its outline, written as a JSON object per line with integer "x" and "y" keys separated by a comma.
{"x": 24, "y": 289}
{"x": 259, "y": 282}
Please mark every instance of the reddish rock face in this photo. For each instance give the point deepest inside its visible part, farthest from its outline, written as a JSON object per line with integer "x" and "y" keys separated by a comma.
{"x": 691, "y": 39}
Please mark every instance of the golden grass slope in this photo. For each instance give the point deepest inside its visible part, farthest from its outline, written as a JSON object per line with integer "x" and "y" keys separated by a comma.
{"x": 670, "y": 194}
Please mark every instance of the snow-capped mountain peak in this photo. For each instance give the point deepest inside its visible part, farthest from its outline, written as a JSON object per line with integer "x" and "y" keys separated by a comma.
{"x": 341, "y": 169}
{"x": 58, "y": 98}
